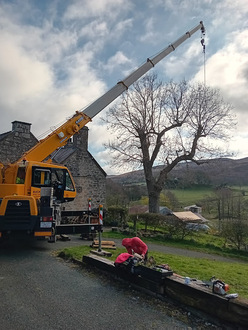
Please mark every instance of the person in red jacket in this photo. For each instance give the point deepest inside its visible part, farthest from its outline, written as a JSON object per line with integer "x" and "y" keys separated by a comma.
{"x": 136, "y": 245}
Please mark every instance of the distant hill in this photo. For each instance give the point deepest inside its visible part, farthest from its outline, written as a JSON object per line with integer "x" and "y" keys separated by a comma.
{"x": 215, "y": 172}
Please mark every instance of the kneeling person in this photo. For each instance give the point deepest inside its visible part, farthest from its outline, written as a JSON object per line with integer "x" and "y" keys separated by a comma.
{"x": 136, "y": 246}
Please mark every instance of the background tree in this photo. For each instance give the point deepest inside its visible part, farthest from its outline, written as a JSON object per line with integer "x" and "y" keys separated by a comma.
{"x": 157, "y": 123}
{"x": 173, "y": 202}
{"x": 230, "y": 204}
{"x": 115, "y": 194}
{"x": 235, "y": 231}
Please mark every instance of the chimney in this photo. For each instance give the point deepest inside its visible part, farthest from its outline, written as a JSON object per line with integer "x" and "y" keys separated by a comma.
{"x": 80, "y": 140}
{"x": 21, "y": 127}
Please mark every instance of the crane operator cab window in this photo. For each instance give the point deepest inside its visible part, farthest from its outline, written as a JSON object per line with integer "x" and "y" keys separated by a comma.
{"x": 57, "y": 178}
{"x": 41, "y": 177}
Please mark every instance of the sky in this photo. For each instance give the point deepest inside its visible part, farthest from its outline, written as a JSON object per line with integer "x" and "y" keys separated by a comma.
{"x": 59, "y": 56}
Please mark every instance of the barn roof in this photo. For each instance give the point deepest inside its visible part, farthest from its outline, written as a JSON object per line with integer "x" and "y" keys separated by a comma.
{"x": 188, "y": 216}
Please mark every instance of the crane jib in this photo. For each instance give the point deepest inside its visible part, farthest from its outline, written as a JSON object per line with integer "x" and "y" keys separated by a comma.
{"x": 97, "y": 106}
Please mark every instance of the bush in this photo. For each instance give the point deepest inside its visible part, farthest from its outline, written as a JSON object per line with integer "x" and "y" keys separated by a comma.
{"x": 116, "y": 216}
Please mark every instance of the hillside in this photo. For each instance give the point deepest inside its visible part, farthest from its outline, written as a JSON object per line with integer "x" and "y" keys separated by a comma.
{"x": 215, "y": 172}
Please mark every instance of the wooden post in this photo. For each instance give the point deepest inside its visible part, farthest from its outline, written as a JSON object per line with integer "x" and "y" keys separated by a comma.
{"x": 89, "y": 209}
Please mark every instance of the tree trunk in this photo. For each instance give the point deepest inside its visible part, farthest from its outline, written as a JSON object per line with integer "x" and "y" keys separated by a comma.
{"x": 153, "y": 201}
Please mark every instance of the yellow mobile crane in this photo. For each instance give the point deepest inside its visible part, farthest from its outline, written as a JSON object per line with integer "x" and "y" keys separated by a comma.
{"x": 32, "y": 188}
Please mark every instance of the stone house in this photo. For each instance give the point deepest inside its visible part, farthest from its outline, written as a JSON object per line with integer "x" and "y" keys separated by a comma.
{"x": 89, "y": 177}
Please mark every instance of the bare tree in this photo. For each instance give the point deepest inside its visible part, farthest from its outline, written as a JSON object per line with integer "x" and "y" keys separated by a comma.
{"x": 164, "y": 124}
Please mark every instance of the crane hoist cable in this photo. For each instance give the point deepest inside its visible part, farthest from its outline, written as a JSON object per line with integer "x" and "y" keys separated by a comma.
{"x": 204, "y": 53}
{"x": 204, "y": 63}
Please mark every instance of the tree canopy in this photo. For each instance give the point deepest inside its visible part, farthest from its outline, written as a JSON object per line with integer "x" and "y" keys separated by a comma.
{"x": 160, "y": 123}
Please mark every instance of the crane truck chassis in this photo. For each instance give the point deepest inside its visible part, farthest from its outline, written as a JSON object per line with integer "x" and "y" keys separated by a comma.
{"x": 32, "y": 189}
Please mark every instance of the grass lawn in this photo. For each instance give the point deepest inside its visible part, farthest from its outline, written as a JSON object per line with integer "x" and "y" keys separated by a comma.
{"x": 198, "y": 241}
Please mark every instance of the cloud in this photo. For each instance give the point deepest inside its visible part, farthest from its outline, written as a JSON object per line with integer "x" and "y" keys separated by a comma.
{"x": 117, "y": 60}
{"x": 227, "y": 70}
{"x": 95, "y": 29}
{"x": 238, "y": 144}
{"x": 150, "y": 30}
{"x": 21, "y": 74}
{"x": 96, "y": 8}
{"x": 186, "y": 60}
{"x": 44, "y": 79}
{"x": 25, "y": 80}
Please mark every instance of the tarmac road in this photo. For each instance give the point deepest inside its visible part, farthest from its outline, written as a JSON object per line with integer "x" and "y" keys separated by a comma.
{"x": 40, "y": 291}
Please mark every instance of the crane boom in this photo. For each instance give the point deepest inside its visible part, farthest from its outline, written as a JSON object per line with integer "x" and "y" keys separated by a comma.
{"x": 60, "y": 136}
{"x": 93, "y": 109}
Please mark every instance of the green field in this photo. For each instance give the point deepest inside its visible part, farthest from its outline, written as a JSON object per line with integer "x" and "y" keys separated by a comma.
{"x": 190, "y": 196}
{"x": 194, "y": 195}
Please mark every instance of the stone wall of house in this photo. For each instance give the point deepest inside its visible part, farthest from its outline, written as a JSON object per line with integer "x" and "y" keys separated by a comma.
{"x": 14, "y": 143}
{"x": 89, "y": 178}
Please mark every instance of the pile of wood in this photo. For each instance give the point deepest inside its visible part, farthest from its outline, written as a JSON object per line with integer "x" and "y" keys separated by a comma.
{"x": 104, "y": 244}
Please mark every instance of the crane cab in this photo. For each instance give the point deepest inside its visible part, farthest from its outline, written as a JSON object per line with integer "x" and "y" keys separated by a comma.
{"x": 53, "y": 176}
{"x": 28, "y": 177}
{"x": 30, "y": 197}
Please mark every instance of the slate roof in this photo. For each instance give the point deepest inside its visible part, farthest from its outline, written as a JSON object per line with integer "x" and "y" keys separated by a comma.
{"x": 60, "y": 155}
{"x": 3, "y": 135}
